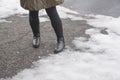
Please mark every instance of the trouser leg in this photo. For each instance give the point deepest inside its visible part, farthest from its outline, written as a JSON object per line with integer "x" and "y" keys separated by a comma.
{"x": 55, "y": 21}
{"x": 34, "y": 22}
{"x": 57, "y": 25}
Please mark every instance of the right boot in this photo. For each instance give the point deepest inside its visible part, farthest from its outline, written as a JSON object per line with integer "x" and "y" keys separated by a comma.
{"x": 60, "y": 45}
{"x": 36, "y": 41}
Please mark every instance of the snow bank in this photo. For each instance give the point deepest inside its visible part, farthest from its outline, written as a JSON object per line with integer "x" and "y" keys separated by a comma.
{"x": 10, "y": 7}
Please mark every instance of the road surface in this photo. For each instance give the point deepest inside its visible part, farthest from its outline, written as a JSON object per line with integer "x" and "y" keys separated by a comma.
{"x": 104, "y": 7}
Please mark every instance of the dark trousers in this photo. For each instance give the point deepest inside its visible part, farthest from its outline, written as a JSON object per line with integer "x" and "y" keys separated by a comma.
{"x": 55, "y": 21}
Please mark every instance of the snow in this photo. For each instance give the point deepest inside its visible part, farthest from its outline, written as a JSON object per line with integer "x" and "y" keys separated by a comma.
{"x": 106, "y": 22}
{"x": 94, "y": 58}
{"x": 12, "y": 7}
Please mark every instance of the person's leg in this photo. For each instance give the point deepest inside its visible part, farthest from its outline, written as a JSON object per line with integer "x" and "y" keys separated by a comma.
{"x": 57, "y": 25}
{"x": 34, "y": 23}
{"x": 55, "y": 21}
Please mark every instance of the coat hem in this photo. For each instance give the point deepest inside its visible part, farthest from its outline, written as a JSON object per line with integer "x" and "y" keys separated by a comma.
{"x": 37, "y": 9}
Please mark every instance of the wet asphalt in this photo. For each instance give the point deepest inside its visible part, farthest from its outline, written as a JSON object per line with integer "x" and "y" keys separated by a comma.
{"x": 16, "y": 51}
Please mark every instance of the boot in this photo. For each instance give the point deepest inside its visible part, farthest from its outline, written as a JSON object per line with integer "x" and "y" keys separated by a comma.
{"x": 60, "y": 45}
{"x": 36, "y": 41}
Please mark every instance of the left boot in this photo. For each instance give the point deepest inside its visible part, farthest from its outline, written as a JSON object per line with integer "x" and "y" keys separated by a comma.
{"x": 36, "y": 41}
{"x": 60, "y": 45}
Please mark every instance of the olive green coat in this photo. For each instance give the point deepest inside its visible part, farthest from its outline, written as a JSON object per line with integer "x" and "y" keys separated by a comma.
{"x": 39, "y": 4}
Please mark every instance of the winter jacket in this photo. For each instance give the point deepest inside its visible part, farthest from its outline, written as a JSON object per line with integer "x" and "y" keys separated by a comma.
{"x": 39, "y": 4}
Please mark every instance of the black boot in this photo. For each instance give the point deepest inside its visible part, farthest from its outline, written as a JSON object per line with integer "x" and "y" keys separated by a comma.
{"x": 36, "y": 41}
{"x": 60, "y": 45}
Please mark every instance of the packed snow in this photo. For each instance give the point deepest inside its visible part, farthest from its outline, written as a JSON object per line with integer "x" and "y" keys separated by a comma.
{"x": 94, "y": 58}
